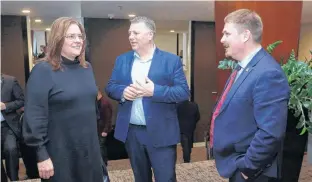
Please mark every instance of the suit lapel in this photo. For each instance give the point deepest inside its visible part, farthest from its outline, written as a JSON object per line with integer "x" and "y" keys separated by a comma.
{"x": 249, "y": 68}
{"x": 152, "y": 73}
{"x": 156, "y": 64}
{"x": 130, "y": 60}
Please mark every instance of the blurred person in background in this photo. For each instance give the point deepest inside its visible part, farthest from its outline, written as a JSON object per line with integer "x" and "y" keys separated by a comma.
{"x": 12, "y": 99}
{"x": 188, "y": 115}
{"x": 105, "y": 112}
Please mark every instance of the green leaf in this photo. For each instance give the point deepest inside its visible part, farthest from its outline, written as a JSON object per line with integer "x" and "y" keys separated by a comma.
{"x": 306, "y": 104}
{"x": 226, "y": 64}
{"x": 297, "y": 113}
{"x": 300, "y": 124}
{"x": 293, "y": 100}
{"x": 304, "y": 129}
{"x": 272, "y": 46}
{"x": 292, "y": 56}
{"x": 309, "y": 124}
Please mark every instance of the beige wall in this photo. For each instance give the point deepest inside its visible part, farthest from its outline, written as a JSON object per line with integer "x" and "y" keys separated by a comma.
{"x": 167, "y": 42}
{"x": 305, "y": 43}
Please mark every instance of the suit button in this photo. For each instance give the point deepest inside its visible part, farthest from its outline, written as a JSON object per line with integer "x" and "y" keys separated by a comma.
{"x": 269, "y": 165}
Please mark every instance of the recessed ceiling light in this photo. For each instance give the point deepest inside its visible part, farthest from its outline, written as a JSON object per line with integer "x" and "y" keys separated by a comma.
{"x": 171, "y": 31}
{"x": 131, "y": 15}
{"x": 37, "y": 20}
{"x": 48, "y": 29}
{"x": 25, "y": 11}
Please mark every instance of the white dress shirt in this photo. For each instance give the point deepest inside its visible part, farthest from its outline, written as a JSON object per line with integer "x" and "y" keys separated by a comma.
{"x": 246, "y": 61}
{"x": 139, "y": 72}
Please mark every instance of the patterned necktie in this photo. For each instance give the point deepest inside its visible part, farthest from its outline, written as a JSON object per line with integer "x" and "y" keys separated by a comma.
{"x": 220, "y": 103}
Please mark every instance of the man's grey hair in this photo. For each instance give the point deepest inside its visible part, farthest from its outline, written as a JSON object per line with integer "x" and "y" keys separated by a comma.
{"x": 150, "y": 24}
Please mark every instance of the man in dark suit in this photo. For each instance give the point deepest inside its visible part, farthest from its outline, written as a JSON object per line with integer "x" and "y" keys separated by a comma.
{"x": 188, "y": 115}
{"x": 249, "y": 120}
{"x": 148, "y": 82}
{"x": 12, "y": 99}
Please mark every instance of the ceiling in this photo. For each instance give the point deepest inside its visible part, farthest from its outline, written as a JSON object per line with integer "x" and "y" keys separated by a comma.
{"x": 177, "y": 15}
{"x": 167, "y": 14}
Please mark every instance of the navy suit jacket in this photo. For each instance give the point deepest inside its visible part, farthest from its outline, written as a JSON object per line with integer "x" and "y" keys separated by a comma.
{"x": 250, "y": 128}
{"x": 160, "y": 110}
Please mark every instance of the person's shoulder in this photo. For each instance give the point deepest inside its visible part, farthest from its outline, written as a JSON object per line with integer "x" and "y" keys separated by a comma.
{"x": 8, "y": 77}
{"x": 172, "y": 60}
{"x": 42, "y": 67}
{"x": 122, "y": 58}
{"x": 168, "y": 55}
{"x": 270, "y": 70}
{"x": 125, "y": 55}
{"x": 43, "y": 64}
{"x": 269, "y": 64}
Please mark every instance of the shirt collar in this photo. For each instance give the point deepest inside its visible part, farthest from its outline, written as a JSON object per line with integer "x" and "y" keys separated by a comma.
{"x": 151, "y": 56}
{"x": 247, "y": 59}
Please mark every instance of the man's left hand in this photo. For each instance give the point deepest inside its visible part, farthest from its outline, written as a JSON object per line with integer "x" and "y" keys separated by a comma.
{"x": 146, "y": 89}
{"x": 3, "y": 107}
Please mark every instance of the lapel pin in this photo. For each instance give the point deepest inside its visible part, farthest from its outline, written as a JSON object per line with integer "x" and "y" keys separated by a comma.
{"x": 247, "y": 69}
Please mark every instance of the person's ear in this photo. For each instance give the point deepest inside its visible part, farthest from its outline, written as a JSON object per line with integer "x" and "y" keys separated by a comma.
{"x": 246, "y": 35}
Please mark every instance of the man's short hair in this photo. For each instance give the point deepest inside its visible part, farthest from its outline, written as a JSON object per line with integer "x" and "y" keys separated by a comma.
{"x": 247, "y": 19}
{"x": 147, "y": 21}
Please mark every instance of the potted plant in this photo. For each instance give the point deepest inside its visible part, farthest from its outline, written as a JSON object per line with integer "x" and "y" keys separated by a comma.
{"x": 309, "y": 62}
{"x": 299, "y": 124}
{"x": 299, "y": 75}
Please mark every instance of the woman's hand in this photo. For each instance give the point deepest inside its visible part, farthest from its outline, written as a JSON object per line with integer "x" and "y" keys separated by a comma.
{"x": 46, "y": 169}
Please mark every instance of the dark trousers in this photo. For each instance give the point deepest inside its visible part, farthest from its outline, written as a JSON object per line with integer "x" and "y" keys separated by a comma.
{"x": 187, "y": 144}
{"x": 144, "y": 156}
{"x": 103, "y": 148}
{"x": 237, "y": 177}
{"x": 9, "y": 150}
{"x": 30, "y": 161}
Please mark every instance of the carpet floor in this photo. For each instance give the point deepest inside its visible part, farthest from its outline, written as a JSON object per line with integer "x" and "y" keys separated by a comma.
{"x": 199, "y": 170}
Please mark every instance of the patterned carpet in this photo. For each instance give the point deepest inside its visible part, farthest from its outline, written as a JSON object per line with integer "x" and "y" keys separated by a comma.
{"x": 200, "y": 170}
{"x": 203, "y": 171}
